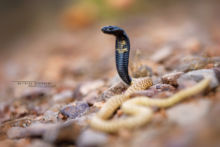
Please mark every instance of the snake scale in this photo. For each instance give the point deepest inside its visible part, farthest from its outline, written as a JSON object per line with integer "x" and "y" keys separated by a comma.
{"x": 138, "y": 109}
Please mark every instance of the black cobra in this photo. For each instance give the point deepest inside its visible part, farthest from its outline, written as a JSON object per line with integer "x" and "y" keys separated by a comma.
{"x": 122, "y": 50}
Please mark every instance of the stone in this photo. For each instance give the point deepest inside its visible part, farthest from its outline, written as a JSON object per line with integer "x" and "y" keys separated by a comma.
{"x": 50, "y": 116}
{"x": 149, "y": 93}
{"x": 35, "y": 130}
{"x": 198, "y": 75}
{"x": 190, "y": 63}
{"x": 163, "y": 87}
{"x": 189, "y": 113}
{"x": 171, "y": 78}
{"x": 67, "y": 132}
{"x": 193, "y": 45}
{"x": 156, "y": 89}
{"x": 90, "y": 86}
{"x": 4, "y": 109}
{"x": 35, "y": 93}
{"x": 142, "y": 71}
{"x": 91, "y": 98}
{"x": 21, "y": 122}
{"x": 92, "y": 138}
{"x": 40, "y": 143}
{"x": 7, "y": 143}
{"x": 75, "y": 110}
{"x": 162, "y": 54}
{"x": 55, "y": 133}
{"x": 64, "y": 96}
{"x": 117, "y": 88}
{"x": 217, "y": 73}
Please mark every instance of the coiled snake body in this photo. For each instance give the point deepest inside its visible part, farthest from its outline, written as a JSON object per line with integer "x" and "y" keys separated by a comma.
{"x": 138, "y": 113}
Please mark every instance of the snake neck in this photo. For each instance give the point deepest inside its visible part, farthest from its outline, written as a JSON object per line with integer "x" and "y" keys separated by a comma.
{"x": 122, "y": 44}
{"x": 122, "y": 57}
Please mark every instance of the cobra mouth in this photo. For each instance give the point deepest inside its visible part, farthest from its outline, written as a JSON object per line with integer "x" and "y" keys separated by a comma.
{"x": 113, "y": 30}
{"x": 122, "y": 51}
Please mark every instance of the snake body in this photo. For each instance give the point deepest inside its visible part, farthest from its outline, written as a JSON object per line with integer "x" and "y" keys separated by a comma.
{"x": 138, "y": 109}
{"x": 122, "y": 51}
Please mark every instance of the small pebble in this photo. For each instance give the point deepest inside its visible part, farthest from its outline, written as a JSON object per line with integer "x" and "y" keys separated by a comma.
{"x": 64, "y": 96}
{"x": 142, "y": 71}
{"x": 156, "y": 89}
{"x": 50, "y": 116}
{"x": 171, "y": 78}
{"x": 91, "y": 98}
{"x": 90, "y": 138}
{"x": 217, "y": 73}
{"x": 40, "y": 143}
{"x": 117, "y": 88}
{"x": 189, "y": 113}
{"x": 198, "y": 75}
{"x": 193, "y": 45}
{"x": 35, "y": 93}
{"x": 54, "y": 133}
{"x": 190, "y": 63}
{"x": 162, "y": 54}
{"x": 67, "y": 132}
{"x": 73, "y": 111}
{"x": 90, "y": 86}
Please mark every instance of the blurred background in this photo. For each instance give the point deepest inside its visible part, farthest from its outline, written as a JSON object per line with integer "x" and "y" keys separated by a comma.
{"x": 60, "y": 41}
{"x": 20, "y": 18}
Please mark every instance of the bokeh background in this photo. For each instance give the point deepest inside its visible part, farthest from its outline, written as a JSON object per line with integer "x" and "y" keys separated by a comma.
{"x": 60, "y": 41}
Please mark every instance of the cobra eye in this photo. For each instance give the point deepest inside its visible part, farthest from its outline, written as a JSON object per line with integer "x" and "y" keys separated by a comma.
{"x": 122, "y": 52}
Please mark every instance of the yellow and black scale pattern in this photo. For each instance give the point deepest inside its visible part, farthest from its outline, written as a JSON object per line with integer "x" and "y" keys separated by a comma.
{"x": 122, "y": 58}
{"x": 122, "y": 50}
